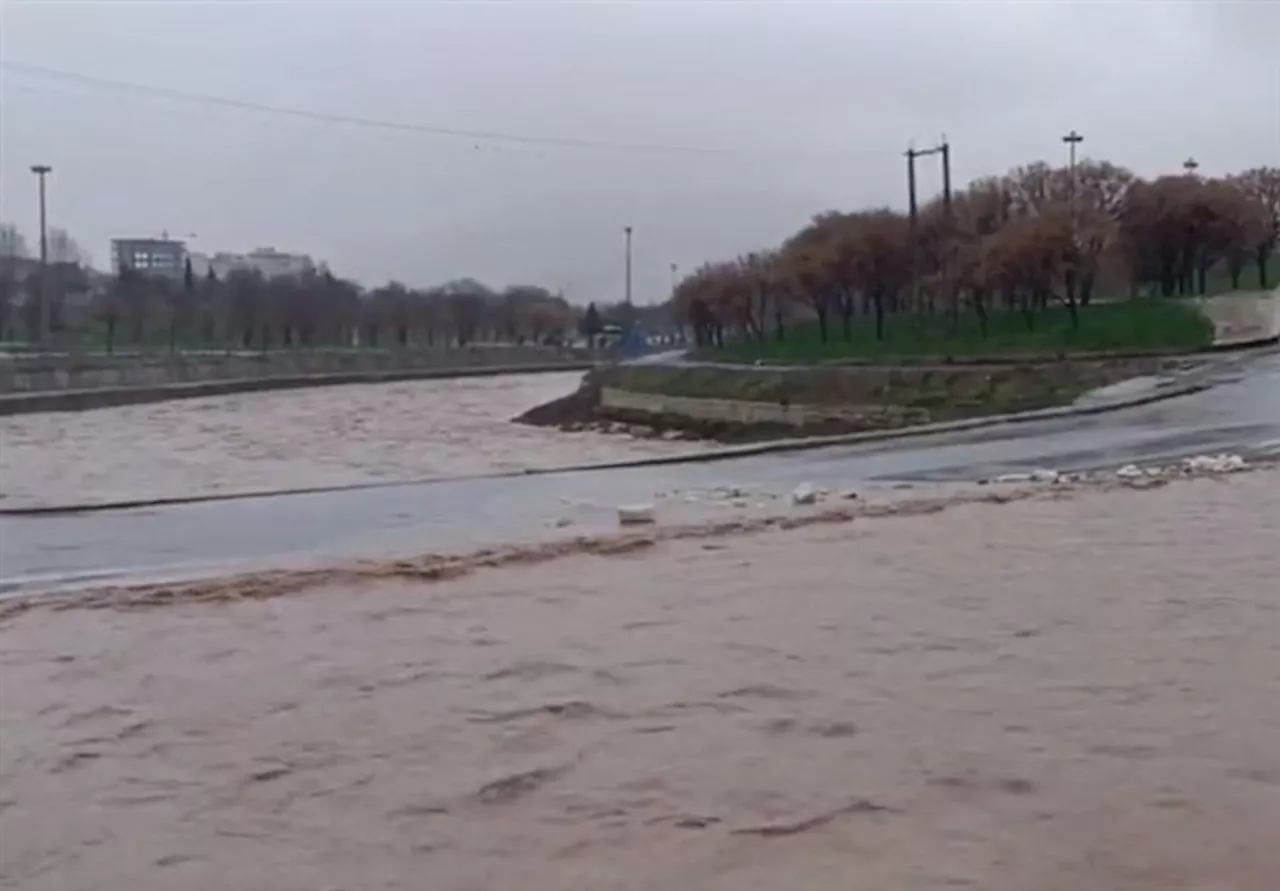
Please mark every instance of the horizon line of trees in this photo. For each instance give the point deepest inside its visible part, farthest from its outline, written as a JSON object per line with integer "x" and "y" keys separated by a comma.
{"x": 247, "y": 310}
{"x": 1036, "y": 237}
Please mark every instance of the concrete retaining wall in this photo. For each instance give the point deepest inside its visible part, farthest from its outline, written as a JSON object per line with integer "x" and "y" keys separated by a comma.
{"x": 626, "y": 405}
{"x": 40, "y": 374}
{"x": 105, "y": 397}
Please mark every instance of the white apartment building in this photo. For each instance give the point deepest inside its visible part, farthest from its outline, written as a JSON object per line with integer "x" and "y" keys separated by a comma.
{"x": 270, "y": 262}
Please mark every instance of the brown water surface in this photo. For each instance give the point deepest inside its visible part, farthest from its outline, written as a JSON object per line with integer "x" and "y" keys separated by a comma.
{"x": 1054, "y": 694}
{"x": 290, "y": 439}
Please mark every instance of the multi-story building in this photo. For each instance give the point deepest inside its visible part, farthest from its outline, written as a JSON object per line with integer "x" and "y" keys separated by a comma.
{"x": 270, "y": 262}
{"x": 150, "y": 256}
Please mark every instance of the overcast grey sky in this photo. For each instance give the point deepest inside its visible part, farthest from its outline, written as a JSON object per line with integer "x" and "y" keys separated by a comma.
{"x": 811, "y": 103}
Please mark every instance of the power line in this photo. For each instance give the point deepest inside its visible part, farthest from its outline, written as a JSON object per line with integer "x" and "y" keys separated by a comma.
{"x": 108, "y": 84}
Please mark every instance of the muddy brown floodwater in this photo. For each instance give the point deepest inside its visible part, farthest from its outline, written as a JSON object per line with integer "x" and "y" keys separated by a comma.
{"x": 1053, "y": 694}
{"x": 292, "y": 439}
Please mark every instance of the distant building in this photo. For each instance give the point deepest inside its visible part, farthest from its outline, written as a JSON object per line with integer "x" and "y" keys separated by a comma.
{"x": 270, "y": 262}
{"x": 162, "y": 257}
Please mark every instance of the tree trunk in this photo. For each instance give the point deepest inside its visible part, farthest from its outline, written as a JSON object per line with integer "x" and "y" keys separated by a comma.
{"x": 824, "y": 334}
{"x": 1086, "y": 288}
{"x": 980, "y": 308}
{"x": 1073, "y": 308}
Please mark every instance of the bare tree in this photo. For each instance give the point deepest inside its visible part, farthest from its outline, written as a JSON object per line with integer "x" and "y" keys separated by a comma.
{"x": 12, "y": 243}
{"x": 65, "y": 249}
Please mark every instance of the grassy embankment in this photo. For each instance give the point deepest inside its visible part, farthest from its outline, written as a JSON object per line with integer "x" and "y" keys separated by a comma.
{"x": 925, "y": 370}
{"x": 1135, "y": 326}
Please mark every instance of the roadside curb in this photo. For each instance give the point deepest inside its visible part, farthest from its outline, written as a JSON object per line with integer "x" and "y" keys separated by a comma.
{"x": 706, "y": 457}
{"x": 52, "y": 401}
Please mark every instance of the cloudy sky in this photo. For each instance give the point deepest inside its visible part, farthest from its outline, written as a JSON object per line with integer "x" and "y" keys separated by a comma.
{"x": 711, "y": 127}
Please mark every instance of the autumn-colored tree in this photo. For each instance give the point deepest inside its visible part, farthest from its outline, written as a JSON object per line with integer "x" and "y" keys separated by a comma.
{"x": 1261, "y": 185}
{"x": 1037, "y": 236}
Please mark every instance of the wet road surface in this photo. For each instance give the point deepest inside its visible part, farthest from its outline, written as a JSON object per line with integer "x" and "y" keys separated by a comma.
{"x": 1241, "y": 413}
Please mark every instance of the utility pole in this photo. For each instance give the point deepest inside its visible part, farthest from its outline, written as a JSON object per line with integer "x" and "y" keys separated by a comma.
{"x": 627, "y": 230}
{"x": 1190, "y": 165}
{"x": 943, "y": 148}
{"x": 41, "y": 171}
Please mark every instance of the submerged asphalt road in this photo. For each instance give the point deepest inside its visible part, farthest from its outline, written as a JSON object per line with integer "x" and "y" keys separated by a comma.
{"x": 1241, "y": 413}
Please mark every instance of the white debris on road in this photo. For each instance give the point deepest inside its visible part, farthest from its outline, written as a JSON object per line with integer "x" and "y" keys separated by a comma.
{"x": 1223, "y": 463}
{"x": 756, "y": 497}
{"x": 804, "y": 494}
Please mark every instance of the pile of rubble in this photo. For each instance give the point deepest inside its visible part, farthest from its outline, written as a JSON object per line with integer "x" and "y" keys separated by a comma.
{"x": 617, "y": 428}
{"x": 740, "y": 497}
{"x": 806, "y": 494}
{"x": 1199, "y": 465}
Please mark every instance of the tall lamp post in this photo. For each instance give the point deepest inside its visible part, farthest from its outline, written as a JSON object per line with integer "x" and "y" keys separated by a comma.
{"x": 1072, "y": 140}
{"x": 627, "y": 231}
{"x": 41, "y": 171}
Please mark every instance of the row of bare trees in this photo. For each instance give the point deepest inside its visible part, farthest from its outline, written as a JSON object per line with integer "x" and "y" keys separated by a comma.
{"x": 320, "y": 309}
{"x": 1035, "y": 237}
{"x": 245, "y": 310}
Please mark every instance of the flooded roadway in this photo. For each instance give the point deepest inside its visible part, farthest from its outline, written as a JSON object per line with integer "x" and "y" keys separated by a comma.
{"x": 1241, "y": 413}
{"x": 1056, "y": 694}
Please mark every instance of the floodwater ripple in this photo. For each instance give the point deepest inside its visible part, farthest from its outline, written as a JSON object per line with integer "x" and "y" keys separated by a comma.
{"x": 298, "y": 439}
{"x": 1072, "y": 690}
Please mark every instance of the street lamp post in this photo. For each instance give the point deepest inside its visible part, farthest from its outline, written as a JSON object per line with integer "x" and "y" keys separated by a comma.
{"x": 627, "y": 231}
{"x": 1072, "y": 140}
{"x": 41, "y": 171}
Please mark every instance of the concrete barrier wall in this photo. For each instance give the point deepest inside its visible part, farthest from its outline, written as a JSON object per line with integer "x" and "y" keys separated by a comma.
{"x": 39, "y": 374}
{"x": 627, "y": 405}
{"x": 105, "y": 397}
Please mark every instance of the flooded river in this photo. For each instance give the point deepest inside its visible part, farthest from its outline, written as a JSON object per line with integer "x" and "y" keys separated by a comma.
{"x": 296, "y": 439}
{"x": 1058, "y": 693}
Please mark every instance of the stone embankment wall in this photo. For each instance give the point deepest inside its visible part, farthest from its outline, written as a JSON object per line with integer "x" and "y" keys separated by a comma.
{"x": 623, "y": 405}
{"x": 60, "y": 383}
{"x": 41, "y": 373}
{"x": 847, "y": 398}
